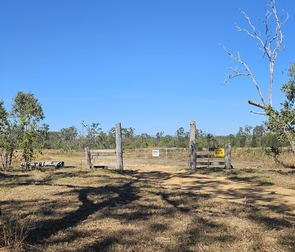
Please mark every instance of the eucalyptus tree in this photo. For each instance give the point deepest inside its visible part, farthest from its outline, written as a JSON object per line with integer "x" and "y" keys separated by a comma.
{"x": 28, "y": 112}
{"x": 269, "y": 42}
{"x": 68, "y": 138}
{"x": 283, "y": 121}
{"x": 9, "y": 137}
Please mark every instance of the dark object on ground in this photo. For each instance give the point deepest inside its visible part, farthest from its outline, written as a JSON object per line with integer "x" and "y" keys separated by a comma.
{"x": 56, "y": 164}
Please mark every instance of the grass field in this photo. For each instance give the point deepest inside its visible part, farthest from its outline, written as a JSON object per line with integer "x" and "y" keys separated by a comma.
{"x": 152, "y": 206}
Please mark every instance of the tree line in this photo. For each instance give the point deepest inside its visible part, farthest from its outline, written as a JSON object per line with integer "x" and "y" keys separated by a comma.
{"x": 94, "y": 137}
{"x": 21, "y": 129}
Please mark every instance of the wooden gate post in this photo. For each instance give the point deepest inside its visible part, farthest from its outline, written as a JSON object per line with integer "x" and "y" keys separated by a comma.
{"x": 88, "y": 158}
{"x": 192, "y": 146}
{"x": 119, "y": 151}
{"x": 227, "y": 157}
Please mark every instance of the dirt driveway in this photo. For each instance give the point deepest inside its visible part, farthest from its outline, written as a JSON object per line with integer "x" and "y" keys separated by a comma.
{"x": 223, "y": 188}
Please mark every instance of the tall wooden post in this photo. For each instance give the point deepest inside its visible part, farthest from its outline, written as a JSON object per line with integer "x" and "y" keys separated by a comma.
{"x": 119, "y": 150}
{"x": 227, "y": 158}
{"x": 192, "y": 146}
{"x": 88, "y": 158}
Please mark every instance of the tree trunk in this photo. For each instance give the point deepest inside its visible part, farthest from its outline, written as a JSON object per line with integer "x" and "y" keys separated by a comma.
{"x": 26, "y": 163}
{"x": 3, "y": 159}
{"x": 10, "y": 158}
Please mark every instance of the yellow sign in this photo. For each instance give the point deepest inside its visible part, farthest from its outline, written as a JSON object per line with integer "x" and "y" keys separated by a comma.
{"x": 219, "y": 153}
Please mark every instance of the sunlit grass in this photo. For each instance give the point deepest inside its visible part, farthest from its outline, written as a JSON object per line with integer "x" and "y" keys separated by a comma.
{"x": 152, "y": 207}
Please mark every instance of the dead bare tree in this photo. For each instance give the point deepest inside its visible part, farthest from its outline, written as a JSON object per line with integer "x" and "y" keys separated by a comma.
{"x": 269, "y": 43}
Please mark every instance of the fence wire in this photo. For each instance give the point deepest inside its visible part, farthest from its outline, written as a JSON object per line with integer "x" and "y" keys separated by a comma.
{"x": 177, "y": 157}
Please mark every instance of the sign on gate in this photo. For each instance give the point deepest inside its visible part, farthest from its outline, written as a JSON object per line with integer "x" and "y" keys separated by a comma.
{"x": 155, "y": 153}
{"x": 219, "y": 153}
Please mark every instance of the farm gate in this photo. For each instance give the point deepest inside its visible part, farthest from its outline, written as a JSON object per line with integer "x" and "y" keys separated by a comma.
{"x": 191, "y": 157}
{"x": 208, "y": 156}
{"x": 173, "y": 157}
{"x": 180, "y": 158}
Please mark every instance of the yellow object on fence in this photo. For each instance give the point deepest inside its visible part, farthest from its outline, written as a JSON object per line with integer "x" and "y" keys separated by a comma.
{"x": 219, "y": 153}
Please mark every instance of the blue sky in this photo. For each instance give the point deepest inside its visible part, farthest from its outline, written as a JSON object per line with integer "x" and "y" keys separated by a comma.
{"x": 151, "y": 64}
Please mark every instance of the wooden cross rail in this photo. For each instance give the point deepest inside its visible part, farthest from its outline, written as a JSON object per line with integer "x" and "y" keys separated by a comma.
{"x": 194, "y": 156}
{"x": 210, "y": 156}
{"x": 103, "y": 151}
{"x": 207, "y": 156}
{"x": 107, "y": 154}
{"x": 210, "y": 163}
{"x": 92, "y": 155}
{"x": 205, "y": 149}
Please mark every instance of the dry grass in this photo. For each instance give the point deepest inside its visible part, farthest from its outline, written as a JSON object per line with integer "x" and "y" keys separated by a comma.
{"x": 14, "y": 231}
{"x": 153, "y": 207}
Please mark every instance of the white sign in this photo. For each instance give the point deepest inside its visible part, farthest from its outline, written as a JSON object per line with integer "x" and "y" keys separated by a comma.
{"x": 155, "y": 153}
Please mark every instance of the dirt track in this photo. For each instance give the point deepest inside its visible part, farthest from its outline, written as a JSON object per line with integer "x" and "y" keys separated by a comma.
{"x": 223, "y": 188}
{"x": 241, "y": 192}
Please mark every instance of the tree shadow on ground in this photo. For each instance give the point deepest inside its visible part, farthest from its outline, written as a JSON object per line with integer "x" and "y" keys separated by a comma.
{"x": 281, "y": 172}
{"x": 270, "y": 222}
{"x": 251, "y": 179}
{"x": 117, "y": 197}
{"x": 288, "y": 240}
{"x": 201, "y": 230}
{"x": 42, "y": 181}
{"x": 210, "y": 170}
{"x": 4, "y": 175}
{"x": 126, "y": 194}
{"x": 175, "y": 203}
{"x": 151, "y": 176}
{"x": 234, "y": 175}
{"x": 252, "y": 191}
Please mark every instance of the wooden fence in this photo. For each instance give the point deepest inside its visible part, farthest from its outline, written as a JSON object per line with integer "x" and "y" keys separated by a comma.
{"x": 95, "y": 158}
{"x": 210, "y": 158}
{"x": 207, "y": 158}
{"x": 102, "y": 157}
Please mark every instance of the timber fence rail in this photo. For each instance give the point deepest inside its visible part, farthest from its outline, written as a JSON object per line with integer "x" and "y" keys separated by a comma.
{"x": 95, "y": 158}
{"x": 192, "y": 156}
{"x": 100, "y": 158}
{"x": 211, "y": 153}
{"x": 210, "y": 156}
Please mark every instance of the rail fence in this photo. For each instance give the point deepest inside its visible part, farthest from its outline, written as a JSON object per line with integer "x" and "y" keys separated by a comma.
{"x": 213, "y": 157}
{"x": 97, "y": 158}
{"x": 181, "y": 157}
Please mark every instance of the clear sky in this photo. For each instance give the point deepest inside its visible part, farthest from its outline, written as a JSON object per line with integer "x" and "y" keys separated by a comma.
{"x": 151, "y": 64}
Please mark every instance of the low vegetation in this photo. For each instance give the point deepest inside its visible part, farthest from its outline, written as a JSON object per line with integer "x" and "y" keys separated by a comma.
{"x": 152, "y": 207}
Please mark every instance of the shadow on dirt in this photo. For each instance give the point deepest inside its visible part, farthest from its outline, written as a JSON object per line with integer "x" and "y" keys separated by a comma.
{"x": 135, "y": 201}
{"x": 252, "y": 179}
{"x": 126, "y": 194}
{"x": 14, "y": 176}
